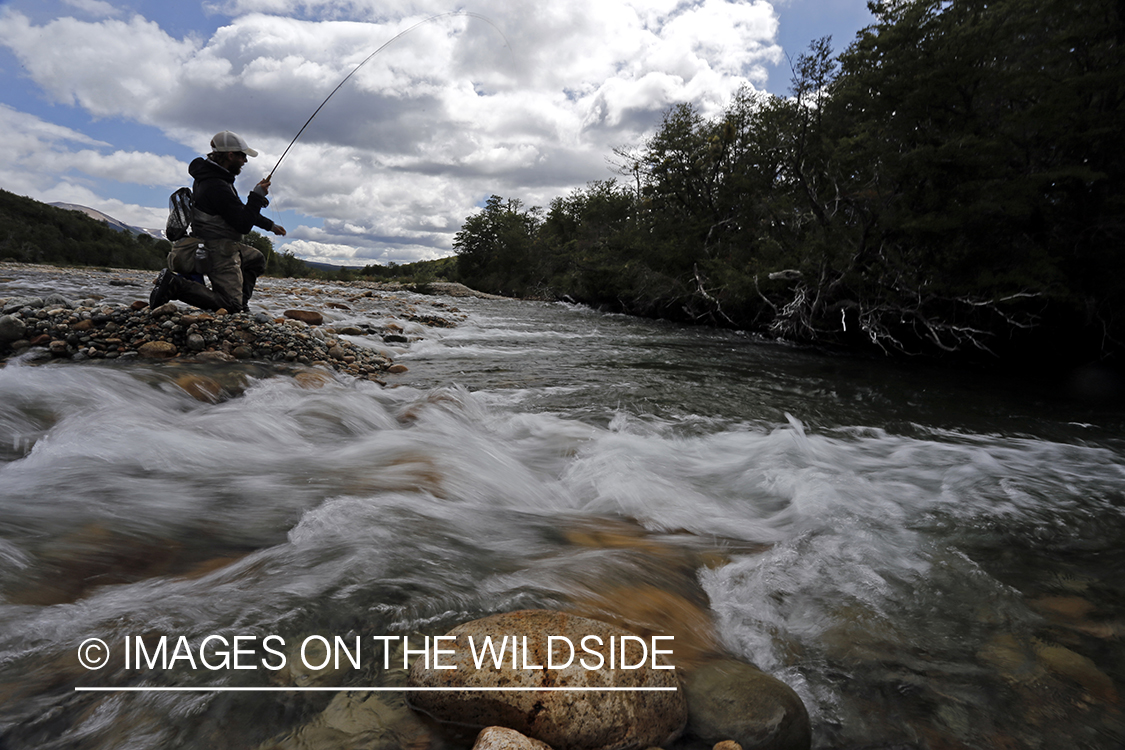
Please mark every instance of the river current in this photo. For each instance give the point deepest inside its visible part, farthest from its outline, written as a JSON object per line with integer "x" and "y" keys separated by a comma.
{"x": 930, "y": 558}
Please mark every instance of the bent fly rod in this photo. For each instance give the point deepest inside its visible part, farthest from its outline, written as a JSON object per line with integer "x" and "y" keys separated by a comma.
{"x": 386, "y": 44}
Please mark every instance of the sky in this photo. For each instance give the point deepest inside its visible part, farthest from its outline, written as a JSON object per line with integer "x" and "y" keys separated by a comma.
{"x": 104, "y": 104}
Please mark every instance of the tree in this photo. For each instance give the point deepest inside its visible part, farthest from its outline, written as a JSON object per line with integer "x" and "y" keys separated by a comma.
{"x": 495, "y": 248}
{"x": 982, "y": 131}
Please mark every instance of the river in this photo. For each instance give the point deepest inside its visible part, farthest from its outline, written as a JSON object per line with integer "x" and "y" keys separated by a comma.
{"x": 930, "y": 558}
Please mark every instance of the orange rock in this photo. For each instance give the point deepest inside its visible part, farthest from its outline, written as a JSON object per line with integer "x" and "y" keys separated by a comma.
{"x": 311, "y": 317}
{"x": 397, "y": 369}
{"x": 94, "y": 556}
{"x": 312, "y": 379}
{"x": 201, "y": 387}
{"x": 1075, "y": 666}
{"x": 399, "y": 471}
{"x": 157, "y": 349}
{"x": 648, "y": 610}
{"x": 1073, "y": 607}
{"x": 656, "y": 590}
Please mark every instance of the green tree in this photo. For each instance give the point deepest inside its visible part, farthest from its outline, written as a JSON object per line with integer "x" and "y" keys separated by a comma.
{"x": 980, "y": 135}
{"x": 495, "y": 247}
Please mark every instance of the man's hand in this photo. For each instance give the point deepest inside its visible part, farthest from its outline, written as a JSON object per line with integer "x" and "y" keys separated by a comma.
{"x": 278, "y": 230}
{"x": 263, "y": 187}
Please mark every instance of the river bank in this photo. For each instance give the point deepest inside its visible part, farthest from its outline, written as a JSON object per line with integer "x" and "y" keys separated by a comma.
{"x": 104, "y": 315}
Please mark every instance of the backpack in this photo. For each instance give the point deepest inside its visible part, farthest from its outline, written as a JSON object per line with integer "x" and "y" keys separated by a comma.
{"x": 179, "y": 214}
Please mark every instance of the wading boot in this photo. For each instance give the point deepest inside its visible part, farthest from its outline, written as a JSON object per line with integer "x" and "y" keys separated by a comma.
{"x": 248, "y": 281}
{"x": 161, "y": 289}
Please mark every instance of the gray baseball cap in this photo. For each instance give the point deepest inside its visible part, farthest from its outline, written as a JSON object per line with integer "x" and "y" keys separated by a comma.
{"x": 227, "y": 141}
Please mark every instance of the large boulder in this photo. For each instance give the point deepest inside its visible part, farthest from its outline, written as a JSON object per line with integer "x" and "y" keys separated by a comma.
{"x": 733, "y": 700}
{"x": 566, "y": 719}
{"x": 12, "y": 328}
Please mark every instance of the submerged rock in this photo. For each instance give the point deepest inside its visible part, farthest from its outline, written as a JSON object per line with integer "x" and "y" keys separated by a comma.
{"x": 201, "y": 387}
{"x": 732, "y": 700}
{"x": 359, "y": 721}
{"x": 577, "y": 720}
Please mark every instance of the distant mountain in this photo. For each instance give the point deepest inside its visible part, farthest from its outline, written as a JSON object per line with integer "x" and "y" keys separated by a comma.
{"x": 120, "y": 226}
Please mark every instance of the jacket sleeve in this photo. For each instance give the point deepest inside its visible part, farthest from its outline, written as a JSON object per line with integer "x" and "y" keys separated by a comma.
{"x": 242, "y": 217}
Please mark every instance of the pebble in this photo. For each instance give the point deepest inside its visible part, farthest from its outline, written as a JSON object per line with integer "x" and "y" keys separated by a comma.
{"x": 502, "y": 738}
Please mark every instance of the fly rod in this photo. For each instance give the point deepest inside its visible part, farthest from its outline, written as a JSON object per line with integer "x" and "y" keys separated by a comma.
{"x": 402, "y": 33}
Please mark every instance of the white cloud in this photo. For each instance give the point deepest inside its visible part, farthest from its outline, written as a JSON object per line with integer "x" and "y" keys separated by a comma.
{"x": 123, "y": 166}
{"x": 110, "y": 68}
{"x": 22, "y": 131}
{"x": 35, "y": 153}
{"x": 443, "y": 117}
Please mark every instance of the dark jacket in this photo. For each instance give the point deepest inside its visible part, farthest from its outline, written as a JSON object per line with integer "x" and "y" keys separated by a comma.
{"x": 219, "y": 212}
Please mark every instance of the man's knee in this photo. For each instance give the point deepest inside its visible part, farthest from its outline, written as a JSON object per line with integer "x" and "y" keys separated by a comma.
{"x": 253, "y": 261}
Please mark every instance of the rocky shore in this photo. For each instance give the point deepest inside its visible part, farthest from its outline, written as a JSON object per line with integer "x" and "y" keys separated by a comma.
{"x": 352, "y": 327}
{"x": 57, "y": 328}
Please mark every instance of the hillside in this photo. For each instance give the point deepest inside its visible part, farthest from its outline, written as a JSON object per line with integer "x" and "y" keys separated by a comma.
{"x": 35, "y": 232}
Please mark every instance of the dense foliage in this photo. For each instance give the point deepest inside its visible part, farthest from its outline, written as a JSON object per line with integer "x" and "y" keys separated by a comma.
{"x": 419, "y": 275}
{"x": 952, "y": 182}
{"x": 33, "y": 232}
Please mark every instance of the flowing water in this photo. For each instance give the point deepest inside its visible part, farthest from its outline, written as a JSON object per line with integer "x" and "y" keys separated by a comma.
{"x": 931, "y": 559}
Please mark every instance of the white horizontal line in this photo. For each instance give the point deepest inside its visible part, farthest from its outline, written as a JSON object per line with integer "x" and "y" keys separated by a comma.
{"x": 367, "y": 689}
